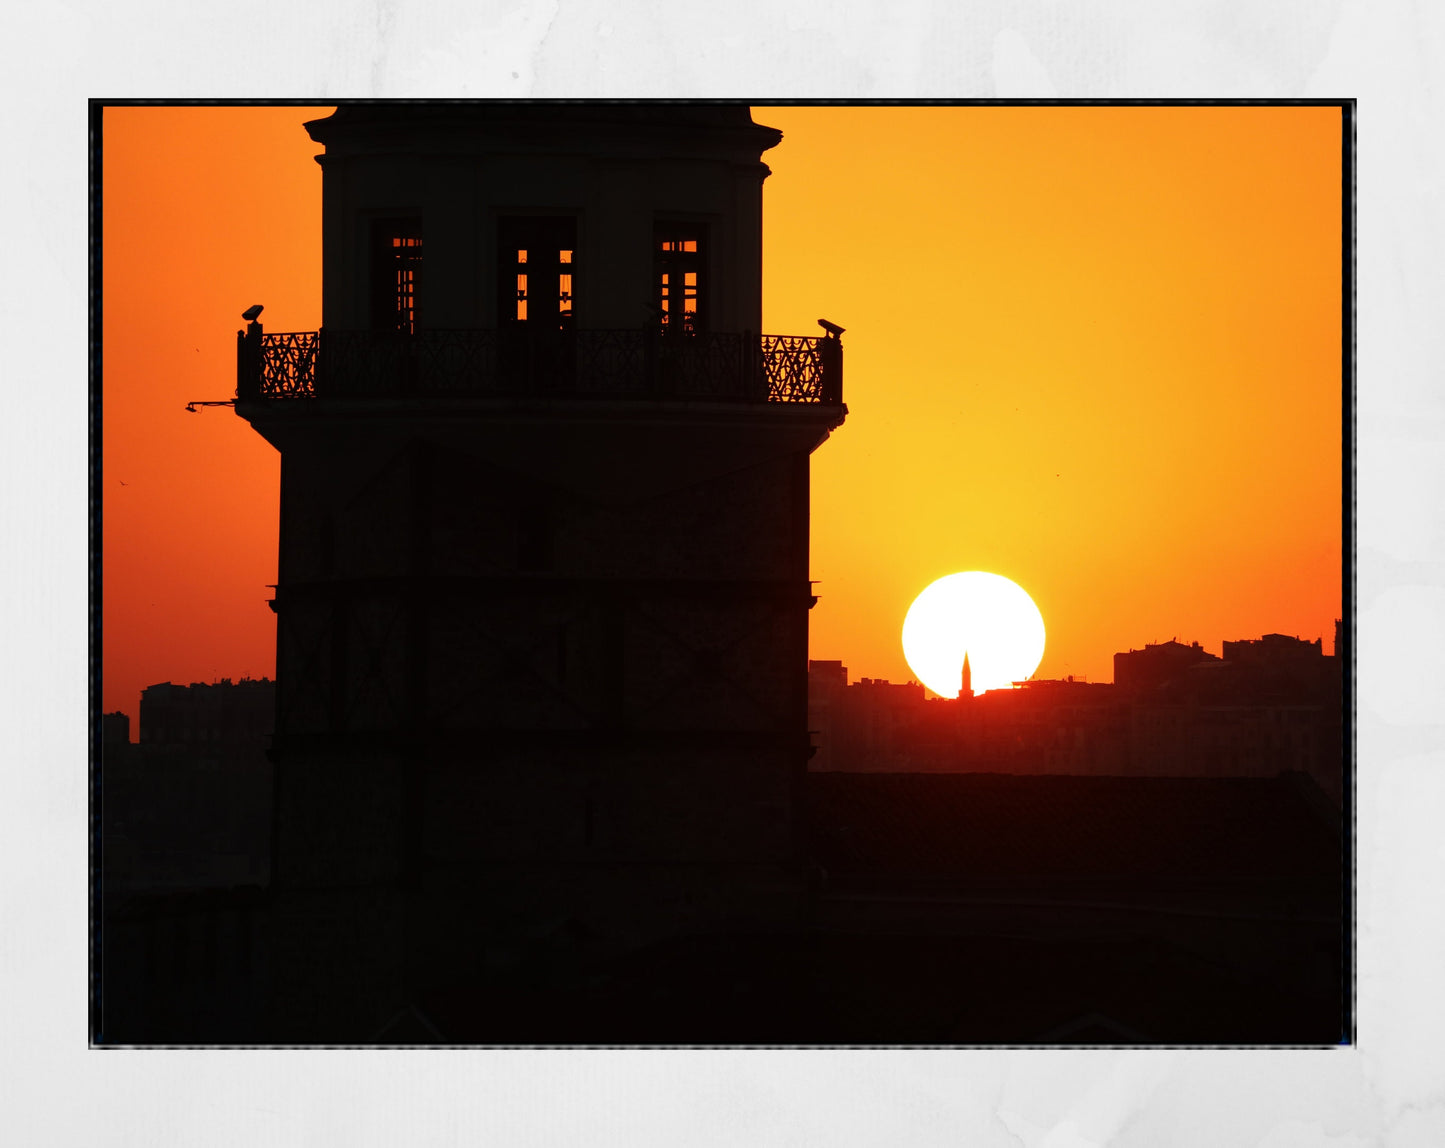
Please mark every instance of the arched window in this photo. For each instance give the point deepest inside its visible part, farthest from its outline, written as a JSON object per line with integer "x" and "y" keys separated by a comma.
{"x": 536, "y": 263}
{"x": 679, "y": 253}
{"x": 396, "y": 275}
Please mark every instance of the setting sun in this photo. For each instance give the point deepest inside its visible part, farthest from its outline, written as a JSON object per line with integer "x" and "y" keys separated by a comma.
{"x": 984, "y": 616}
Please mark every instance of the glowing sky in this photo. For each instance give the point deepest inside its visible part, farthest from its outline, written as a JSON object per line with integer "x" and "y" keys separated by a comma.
{"x": 1094, "y": 350}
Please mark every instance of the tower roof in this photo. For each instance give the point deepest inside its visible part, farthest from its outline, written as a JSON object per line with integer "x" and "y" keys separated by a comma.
{"x": 545, "y": 124}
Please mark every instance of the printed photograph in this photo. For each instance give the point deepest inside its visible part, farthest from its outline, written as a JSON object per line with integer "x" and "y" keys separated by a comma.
{"x": 583, "y": 573}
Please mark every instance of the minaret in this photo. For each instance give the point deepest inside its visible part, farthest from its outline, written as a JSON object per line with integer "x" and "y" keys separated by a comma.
{"x": 542, "y": 601}
{"x": 966, "y": 688}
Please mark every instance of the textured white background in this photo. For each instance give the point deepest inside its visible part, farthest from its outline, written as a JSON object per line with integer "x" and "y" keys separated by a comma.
{"x": 1387, "y": 53}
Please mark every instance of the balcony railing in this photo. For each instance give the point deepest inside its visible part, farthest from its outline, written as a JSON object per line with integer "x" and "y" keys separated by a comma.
{"x": 600, "y": 364}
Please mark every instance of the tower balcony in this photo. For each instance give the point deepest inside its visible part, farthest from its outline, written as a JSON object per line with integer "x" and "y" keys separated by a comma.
{"x": 603, "y": 364}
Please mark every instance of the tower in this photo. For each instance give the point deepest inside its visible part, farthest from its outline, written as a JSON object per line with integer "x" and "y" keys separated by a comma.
{"x": 543, "y": 576}
{"x": 965, "y": 689}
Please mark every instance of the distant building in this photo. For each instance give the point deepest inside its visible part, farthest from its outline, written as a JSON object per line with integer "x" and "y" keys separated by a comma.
{"x": 1274, "y": 649}
{"x": 1138, "y": 671}
{"x": 883, "y": 721}
{"x": 223, "y": 713}
{"x": 115, "y": 729}
{"x": 190, "y": 805}
{"x": 869, "y": 725}
{"x": 1270, "y": 705}
{"x": 827, "y": 682}
{"x": 1049, "y": 726}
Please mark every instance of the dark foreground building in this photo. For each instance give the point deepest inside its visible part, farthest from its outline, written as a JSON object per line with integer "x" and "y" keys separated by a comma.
{"x": 984, "y": 909}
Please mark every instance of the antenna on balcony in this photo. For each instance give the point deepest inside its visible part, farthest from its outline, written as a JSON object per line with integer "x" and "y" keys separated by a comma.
{"x": 832, "y": 328}
{"x": 252, "y": 313}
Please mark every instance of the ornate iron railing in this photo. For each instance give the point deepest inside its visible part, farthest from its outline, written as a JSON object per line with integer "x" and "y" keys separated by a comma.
{"x": 602, "y": 364}
{"x": 288, "y": 363}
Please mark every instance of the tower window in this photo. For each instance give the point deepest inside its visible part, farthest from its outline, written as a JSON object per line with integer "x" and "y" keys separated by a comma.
{"x": 535, "y": 270}
{"x": 678, "y": 256}
{"x": 396, "y": 252}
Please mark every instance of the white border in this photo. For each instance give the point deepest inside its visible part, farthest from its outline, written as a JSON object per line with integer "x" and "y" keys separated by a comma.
{"x": 1387, "y": 54}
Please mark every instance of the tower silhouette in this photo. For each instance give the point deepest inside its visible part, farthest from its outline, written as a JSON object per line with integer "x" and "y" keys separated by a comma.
{"x": 543, "y": 586}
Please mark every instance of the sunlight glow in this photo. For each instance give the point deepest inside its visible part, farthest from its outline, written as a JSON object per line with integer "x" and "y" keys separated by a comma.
{"x": 988, "y": 617}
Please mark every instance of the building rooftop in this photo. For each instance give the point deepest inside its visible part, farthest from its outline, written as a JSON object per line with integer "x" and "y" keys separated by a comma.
{"x": 1001, "y": 825}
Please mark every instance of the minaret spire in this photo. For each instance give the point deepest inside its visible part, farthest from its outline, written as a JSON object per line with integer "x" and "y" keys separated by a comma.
{"x": 966, "y": 687}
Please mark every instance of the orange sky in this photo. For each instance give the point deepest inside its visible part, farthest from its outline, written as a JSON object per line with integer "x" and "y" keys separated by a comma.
{"x": 1096, "y": 350}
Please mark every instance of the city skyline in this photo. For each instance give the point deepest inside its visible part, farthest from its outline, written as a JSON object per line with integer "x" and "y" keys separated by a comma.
{"x": 986, "y": 355}
{"x": 133, "y": 712}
